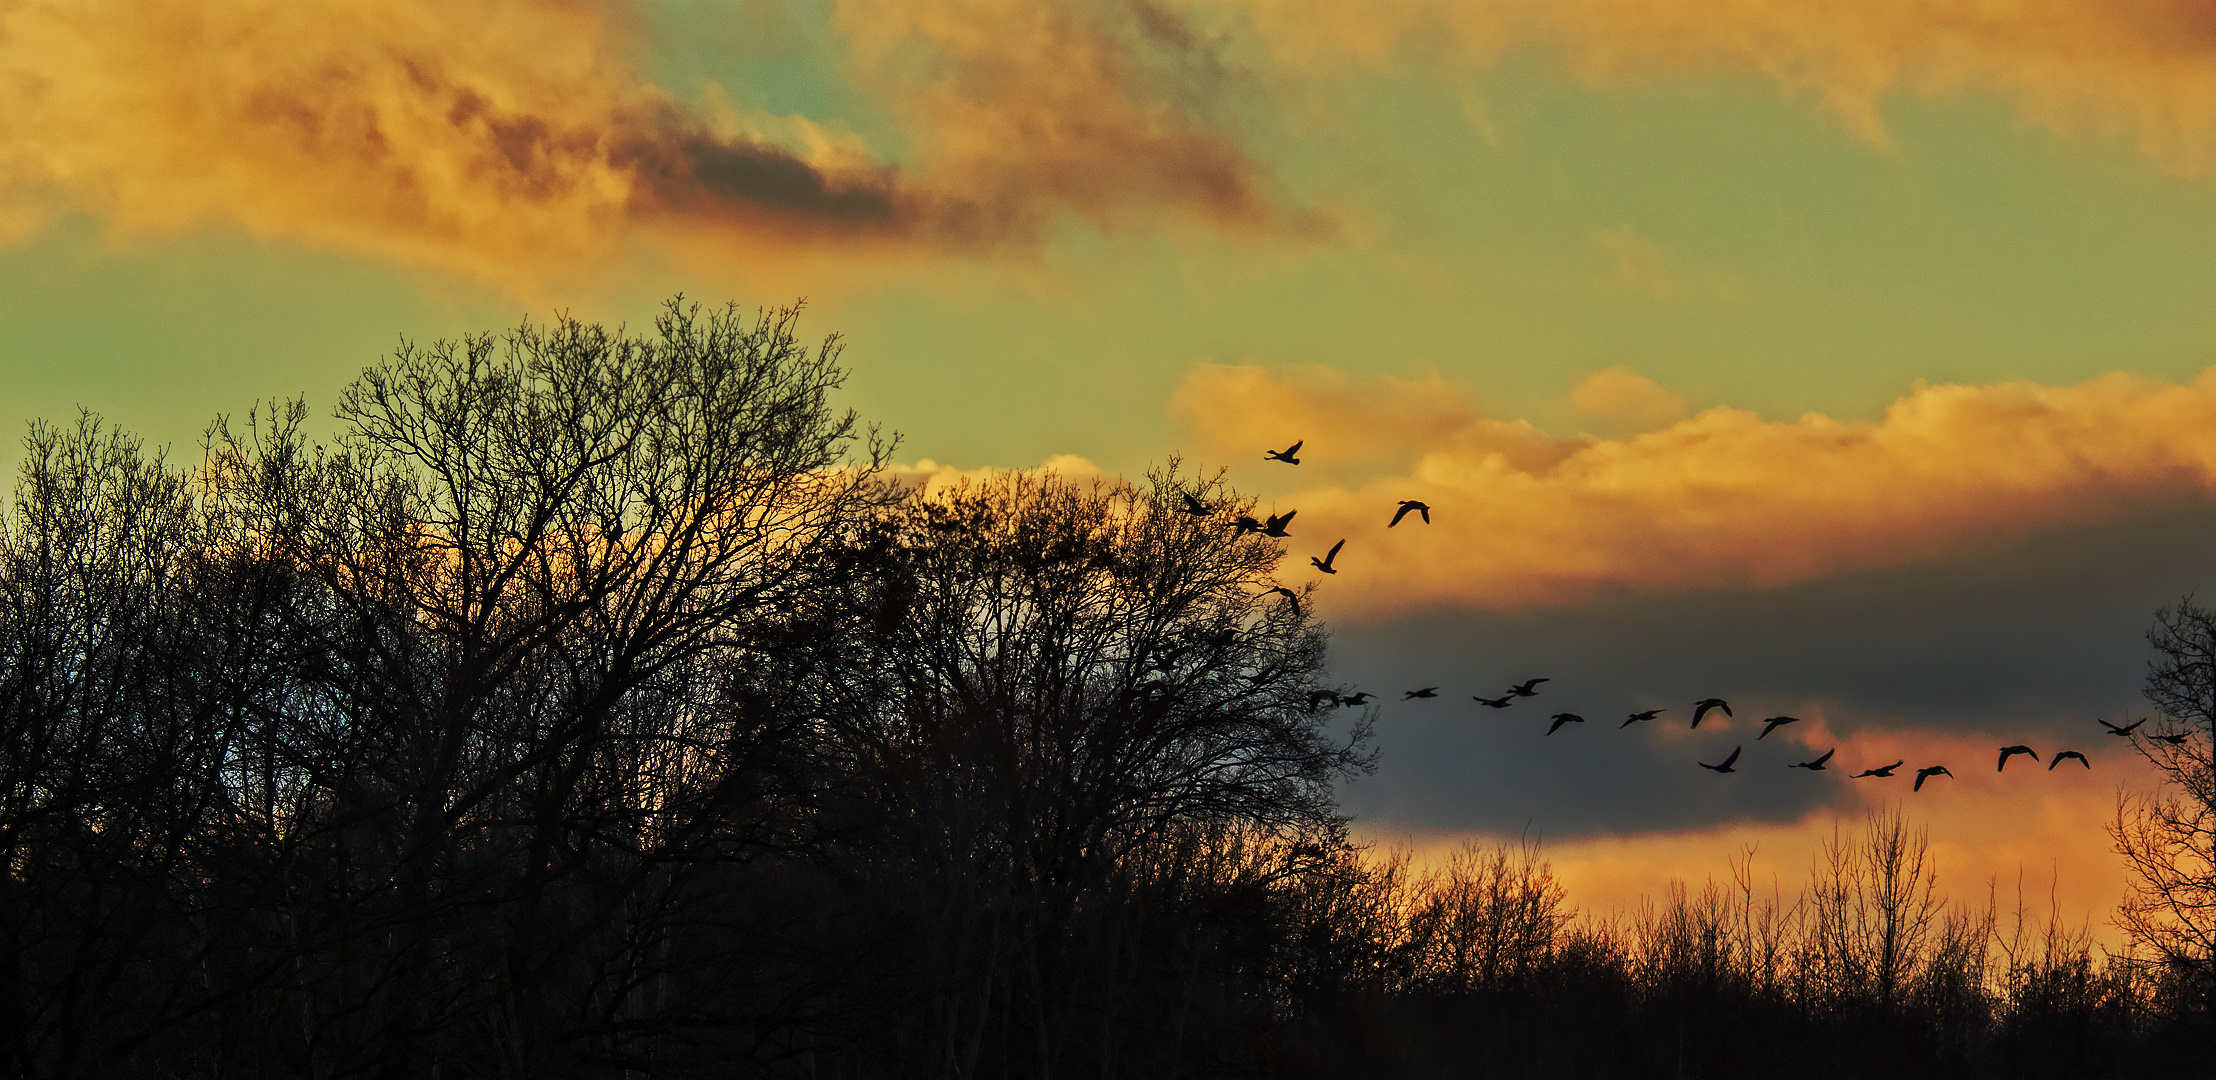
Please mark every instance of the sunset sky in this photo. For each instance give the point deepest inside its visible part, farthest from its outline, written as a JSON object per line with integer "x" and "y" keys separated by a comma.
{"x": 1843, "y": 360}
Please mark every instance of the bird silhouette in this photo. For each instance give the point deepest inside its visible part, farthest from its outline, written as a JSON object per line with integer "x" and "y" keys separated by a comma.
{"x": 1290, "y": 596}
{"x": 1428, "y": 691}
{"x": 2011, "y": 751}
{"x": 1357, "y": 699}
{"x": 1818, "y": 764}
{"x": 2060, "y": 754}
{"x": 1500, "y": 702}
{"x": 1885, "y": 771}
{"x": 1194, "y": 506}
{"x": 2173, "y": 740}
{"x": 1527, "y": 687}
{"x": 2124, "y": 731}
{"x": 1244, "y": 524}
{"x": 1726, "y": 766}
{"x": 1324, "y": 564}
{"x": 1562, "y": 718}
{"x": 1327, "y": 697}
{"x": 1407, "y": 505}
{"x": 1638, "y": 716}
{"x": 1701, "y": 707}
{"x": 1926, "y": 774}
{"x": 1774, "y": 723}
{"x": 1276, "y": 524}
{"x": 1285, "y": 455}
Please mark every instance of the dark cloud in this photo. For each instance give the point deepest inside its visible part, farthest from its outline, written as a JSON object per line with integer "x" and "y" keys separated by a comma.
{"x": 696, "y": 174}
{"x": 2028, "y": 641}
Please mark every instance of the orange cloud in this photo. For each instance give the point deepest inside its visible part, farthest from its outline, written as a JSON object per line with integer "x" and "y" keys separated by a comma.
{"x": 1722, "y": 499}
{"x": 1345, "y": 421}
{"x": 1033, "y": 107}
{"x": 930, "y": 477}
{"x": 1622, "y": 400}
{"x": 515, "y": 142}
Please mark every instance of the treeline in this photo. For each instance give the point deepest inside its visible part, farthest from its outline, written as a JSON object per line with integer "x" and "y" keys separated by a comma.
{"x": 1480, "y": 967}
{"x": 587, "y": 704}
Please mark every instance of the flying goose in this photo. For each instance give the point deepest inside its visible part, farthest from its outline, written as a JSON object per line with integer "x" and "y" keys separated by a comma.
{"x": 1324, "y": 564}
{"x": 1701, "y": 707}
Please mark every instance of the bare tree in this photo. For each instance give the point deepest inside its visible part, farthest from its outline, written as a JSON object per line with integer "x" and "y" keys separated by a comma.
{"x": 2168, "y": 837}
{"x": 433, "y": 746}
{"x": 1874, "y": 906}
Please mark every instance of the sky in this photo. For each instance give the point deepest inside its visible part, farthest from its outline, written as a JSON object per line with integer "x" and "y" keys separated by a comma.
{"x": 1845, "y": 361}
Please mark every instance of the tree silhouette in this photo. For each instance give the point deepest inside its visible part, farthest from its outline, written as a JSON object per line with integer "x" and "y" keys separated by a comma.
{"x": 1049, "y": 681}
{"x": 2168, "y": 838}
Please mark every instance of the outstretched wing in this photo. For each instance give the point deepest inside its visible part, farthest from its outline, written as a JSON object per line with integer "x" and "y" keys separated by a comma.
{"x": 1733, "y": 758}
{"x": 1403, "y": 512}
{"x": 1334, "y": 552}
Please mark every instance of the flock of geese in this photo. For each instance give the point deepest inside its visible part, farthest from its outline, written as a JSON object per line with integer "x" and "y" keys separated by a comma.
{"x": 1730, "y": 763}
{"x": 1275, "y": 526}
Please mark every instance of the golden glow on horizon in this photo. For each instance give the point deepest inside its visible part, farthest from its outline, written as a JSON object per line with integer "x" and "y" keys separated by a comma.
{"x": 1986, "y": 829}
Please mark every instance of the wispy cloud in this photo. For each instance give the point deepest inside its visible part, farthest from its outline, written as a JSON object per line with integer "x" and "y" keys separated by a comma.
{"x": 1721, "y": 499}
{"x": 2141, "y": 69}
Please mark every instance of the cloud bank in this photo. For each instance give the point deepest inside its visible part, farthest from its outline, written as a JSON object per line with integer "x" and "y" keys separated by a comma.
{"x": 517, "y": 142}
{"x": 1722, "y": 499}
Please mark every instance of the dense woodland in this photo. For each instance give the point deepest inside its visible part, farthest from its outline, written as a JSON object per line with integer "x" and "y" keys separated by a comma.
{"x": 580, "y": 703}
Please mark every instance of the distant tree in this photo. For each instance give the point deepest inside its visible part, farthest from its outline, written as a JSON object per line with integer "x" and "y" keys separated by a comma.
{"x": 2169, "y": 836}
{"x": 1875, "y": 908}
